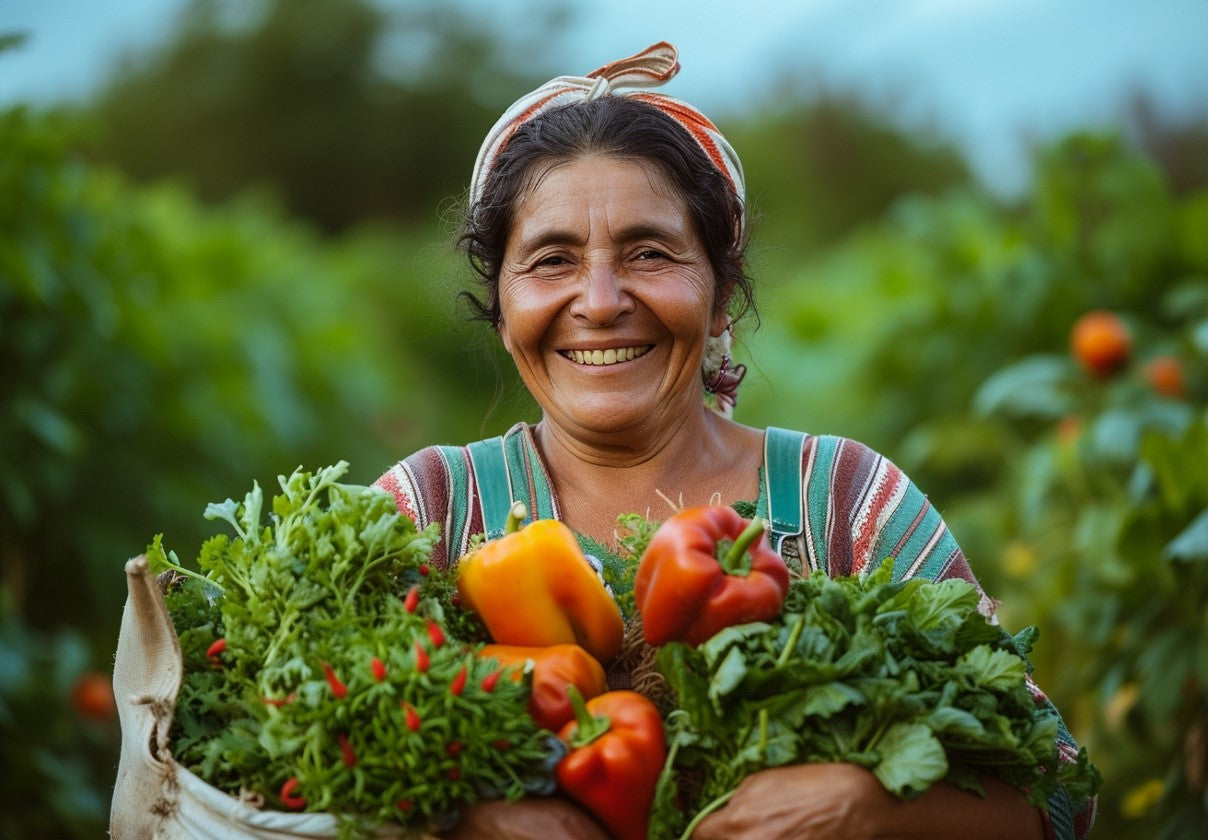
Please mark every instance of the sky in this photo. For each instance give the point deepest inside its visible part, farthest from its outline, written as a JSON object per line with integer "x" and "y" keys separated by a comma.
{"x": 990, "y": 75}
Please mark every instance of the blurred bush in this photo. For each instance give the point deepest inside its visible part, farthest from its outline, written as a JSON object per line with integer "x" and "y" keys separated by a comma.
{"x": 159, "y": 354}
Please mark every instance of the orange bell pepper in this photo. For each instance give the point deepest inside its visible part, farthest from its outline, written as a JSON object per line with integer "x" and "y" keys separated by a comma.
{"x": 554, "y": 668}
{"x": 617, "y": 751}
{"x": 534, "y": 587}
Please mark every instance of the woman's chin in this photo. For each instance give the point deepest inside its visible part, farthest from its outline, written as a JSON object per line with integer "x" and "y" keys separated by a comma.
{"x": 617, "y": 415}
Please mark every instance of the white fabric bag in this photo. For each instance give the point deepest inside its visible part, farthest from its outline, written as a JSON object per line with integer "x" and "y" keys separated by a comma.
{"x": 154, "y": 797}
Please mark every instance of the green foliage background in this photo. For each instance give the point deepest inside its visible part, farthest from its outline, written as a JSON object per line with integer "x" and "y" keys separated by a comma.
{"x": 194, "y": 296}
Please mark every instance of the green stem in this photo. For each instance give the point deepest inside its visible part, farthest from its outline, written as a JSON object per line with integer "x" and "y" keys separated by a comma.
{"x": 876, "y": 738}
{"x": 763, "y": 733}
{"x": 590, "y": 726}
{"x": 735, "y": 560}
{"x": 282, "y": 632}
{"x": 791, "y": 644}
{"x": 516, "y": 515}
{"x": 706, "y": 811}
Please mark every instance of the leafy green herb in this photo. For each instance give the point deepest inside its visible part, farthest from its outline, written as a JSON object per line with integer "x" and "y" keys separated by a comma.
{"x": 904, "y": 678}
{"x": 328, "y": 691}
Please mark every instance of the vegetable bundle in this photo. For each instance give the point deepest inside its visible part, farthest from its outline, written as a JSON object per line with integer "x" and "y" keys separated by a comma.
{"x": 327, "y": 667}
{"x": 904, "y": 678}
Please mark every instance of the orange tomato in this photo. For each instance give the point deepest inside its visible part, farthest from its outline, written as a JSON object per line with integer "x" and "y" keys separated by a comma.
{"x": 1165, "y": 375}
{"x": 92, "y": 697}
{"x": 1101, "y": 343}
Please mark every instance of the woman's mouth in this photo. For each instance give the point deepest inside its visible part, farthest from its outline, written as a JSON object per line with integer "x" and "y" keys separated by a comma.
{"x": 611, "y": 356}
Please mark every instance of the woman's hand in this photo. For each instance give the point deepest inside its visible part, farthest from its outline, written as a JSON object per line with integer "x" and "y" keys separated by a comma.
{"x": 816, "y": 801}
{"x": 534, "y": 818}
{"x": 800, "y": 801}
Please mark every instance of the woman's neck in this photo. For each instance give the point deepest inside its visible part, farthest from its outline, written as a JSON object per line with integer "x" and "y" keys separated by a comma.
{"x": 699, "y": 460}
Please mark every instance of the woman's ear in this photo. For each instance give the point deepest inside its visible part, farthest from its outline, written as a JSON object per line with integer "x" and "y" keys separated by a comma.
{"x": 721, "y": 317}
{"x": 720, "y": 323}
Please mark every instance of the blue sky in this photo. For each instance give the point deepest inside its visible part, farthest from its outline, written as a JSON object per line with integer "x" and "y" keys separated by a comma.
{"x": 990, "y": 74}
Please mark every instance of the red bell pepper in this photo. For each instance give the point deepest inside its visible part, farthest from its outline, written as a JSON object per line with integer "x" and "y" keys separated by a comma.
{"x": 617, "y": 750}
{"x": 707, "y": 568}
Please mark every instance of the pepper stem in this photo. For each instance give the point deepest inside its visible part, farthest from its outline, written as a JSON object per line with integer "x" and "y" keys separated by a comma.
{"x": 735, "y": 560}
{"x": 590, "y": 726}
{"x": 517, "y": 513}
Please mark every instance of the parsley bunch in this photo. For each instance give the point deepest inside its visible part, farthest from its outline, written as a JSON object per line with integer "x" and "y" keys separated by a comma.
{"x": 904, "y": 678}
{"x": 328, "y": 669}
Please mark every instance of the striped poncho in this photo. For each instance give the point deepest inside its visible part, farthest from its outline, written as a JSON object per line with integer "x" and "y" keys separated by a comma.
{"x": 856, "y": 509}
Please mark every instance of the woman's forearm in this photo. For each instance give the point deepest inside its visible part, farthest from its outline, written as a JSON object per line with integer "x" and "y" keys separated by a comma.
{"x": 945, "y": 811}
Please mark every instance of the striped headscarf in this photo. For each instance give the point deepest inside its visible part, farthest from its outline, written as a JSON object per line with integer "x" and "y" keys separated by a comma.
{"x": 631, "y": 76}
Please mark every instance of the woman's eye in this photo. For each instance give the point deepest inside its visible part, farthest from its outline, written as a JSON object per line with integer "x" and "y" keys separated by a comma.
{"x": 553, "y": 260}
{"x": 651, "y": 254}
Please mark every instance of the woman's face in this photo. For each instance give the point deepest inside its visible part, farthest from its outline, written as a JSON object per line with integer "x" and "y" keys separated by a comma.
{"x": 607, "y": 296}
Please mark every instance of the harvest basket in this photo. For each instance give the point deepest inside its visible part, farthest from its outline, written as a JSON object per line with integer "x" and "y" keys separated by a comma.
{"x": 155, "y": 798}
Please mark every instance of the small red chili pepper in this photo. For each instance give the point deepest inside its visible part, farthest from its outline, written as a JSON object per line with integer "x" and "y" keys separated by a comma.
{"x": 412, "y": 599}
{"x": 502, "y": 744}
{"x": 421, "y": 658}
{"x": 491, "y": 680}
{"x": 287, "y": 797}
{"x": 454, "y": 774}
{"x": 453, "y": 748}
{"x": 424, "y": 570}
{"x": 378, "y": 667}
{"x": 435, "y": 634}
{"x": 337, "y": 688}
{"x": 413, "y": 720}
{"x": 459, "y": 682}
{"x": 455, "y": 600}
{"x": 280, "y": 701}
{"x": 216, "y": 649}
{"x": 347, "y": 754}
{"x": 404, "y": 805}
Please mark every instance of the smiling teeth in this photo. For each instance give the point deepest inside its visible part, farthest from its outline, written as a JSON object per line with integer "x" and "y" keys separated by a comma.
{"x": 606, "y": 357}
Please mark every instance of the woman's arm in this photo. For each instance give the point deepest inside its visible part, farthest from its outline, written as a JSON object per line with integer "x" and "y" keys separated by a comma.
{"x": 818, "y": 801}
{"x": 533, "y": 818}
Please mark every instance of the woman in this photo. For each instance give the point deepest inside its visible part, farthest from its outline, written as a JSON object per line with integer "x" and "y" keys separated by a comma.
{"x": 607, "y": 225}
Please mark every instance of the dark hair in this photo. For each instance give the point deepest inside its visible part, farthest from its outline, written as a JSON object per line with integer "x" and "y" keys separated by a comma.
{"x": 610, "y": 125}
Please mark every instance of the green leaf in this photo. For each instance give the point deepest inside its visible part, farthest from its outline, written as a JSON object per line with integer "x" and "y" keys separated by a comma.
{"x": 1035, "y": 387}
{"x": 997, "y": 670}
{"x": 727, "y": 677}
{"x": 953, "y": 721}
{"x": 911, "y": 759}
{"x": 1191, "y": 545}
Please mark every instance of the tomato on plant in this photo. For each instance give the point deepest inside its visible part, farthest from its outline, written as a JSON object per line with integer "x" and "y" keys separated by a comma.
{"x": 1165, "y": 375}
{"x": 1101, "y": 343}
{"x": 92, "y": 697}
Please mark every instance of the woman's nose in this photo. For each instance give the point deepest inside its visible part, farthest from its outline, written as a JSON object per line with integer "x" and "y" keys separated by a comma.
{"x": 603, "y": 296}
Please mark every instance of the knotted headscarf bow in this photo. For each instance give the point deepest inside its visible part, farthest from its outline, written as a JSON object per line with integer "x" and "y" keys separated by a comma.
{"x": 652, "y": 67}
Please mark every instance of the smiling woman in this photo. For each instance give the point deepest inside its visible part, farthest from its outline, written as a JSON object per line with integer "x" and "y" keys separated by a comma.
{"x": 606, "y": 224}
